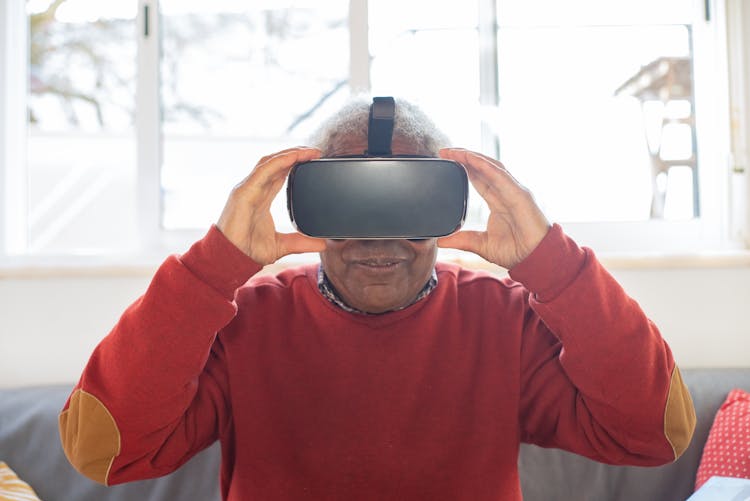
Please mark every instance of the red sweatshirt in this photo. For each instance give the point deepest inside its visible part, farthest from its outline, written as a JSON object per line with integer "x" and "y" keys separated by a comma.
{"x": 430, "y": 402}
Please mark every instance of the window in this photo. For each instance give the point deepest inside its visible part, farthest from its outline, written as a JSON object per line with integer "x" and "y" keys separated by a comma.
{"x": 80, "y": 142}
{"x": 137, "y": 117}
{"x": 600, "y": 95}
{"x": 240, "y": 80}
{"x": 597, "y": 107}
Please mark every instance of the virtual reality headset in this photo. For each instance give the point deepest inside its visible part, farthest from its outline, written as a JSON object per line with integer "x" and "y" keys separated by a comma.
{"x": 378, "y": 195}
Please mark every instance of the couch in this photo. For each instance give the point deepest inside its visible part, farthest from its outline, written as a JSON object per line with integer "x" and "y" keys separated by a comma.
{"x": 29, "y": 443}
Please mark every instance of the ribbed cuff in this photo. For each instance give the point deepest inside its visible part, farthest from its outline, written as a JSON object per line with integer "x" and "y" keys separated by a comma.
{"x": 552, "y": 266}
{"x": 219, "y": 263}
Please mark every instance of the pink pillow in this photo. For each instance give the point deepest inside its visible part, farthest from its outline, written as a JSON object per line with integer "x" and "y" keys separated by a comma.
{"x": 727, "y": 450}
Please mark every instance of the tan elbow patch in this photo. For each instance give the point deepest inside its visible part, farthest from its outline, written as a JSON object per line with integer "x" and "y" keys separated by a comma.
{"x": 679, "y": 415}
{"x": 89, "y": 436}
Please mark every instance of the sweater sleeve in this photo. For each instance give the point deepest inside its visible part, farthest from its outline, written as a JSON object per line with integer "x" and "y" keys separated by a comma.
{"x": 597, "y": 377}
{"x": 154, "y": 391}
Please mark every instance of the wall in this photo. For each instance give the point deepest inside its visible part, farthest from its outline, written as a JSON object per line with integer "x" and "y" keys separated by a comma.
{"x": 49, "y": 325}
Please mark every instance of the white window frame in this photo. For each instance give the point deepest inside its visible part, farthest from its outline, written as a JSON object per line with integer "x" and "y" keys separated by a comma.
{"x": 711, "y": 231}
{"x": 724, "y": 185}
{"x": 738, "y": 53}
{"x": 13, "y": 81}
{"x": 148, "y": 126}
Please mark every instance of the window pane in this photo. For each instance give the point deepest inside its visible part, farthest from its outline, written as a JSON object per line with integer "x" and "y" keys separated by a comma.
{"x": 241, "y": 80}
{"x": 596, "y": 107}
{"x": 593, "y": 12}
{"x": 428, "y": 53}
{"x": 81, "y": 146}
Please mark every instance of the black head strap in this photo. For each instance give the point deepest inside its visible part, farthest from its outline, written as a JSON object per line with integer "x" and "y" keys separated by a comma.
{"x": 380, "y": 126}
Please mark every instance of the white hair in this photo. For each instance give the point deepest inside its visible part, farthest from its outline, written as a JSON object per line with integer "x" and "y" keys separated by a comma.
{"x": 350, "y": 123}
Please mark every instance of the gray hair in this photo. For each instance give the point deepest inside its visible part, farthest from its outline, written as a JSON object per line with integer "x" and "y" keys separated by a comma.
{"x": 349, "y": 124}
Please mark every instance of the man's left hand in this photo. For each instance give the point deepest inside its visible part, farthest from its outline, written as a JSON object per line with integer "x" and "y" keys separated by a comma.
{"x": 516, "y": 224}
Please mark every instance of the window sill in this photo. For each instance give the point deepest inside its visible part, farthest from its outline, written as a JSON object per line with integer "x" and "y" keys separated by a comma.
{"x": 144, "y": 267}
{"x": 698, "y": 260}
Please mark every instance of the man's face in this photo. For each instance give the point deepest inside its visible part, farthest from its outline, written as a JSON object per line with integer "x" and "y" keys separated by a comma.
{"x": 376, "y": 276}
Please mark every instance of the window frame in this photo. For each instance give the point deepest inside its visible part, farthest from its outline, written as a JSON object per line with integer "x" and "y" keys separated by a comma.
{"x": 724, "y": 183}
{"x": 710, "y": 232}
{"x": 148, "y": 126}
{"x": 14, "y": 67}
{"x": 738, "y": 62}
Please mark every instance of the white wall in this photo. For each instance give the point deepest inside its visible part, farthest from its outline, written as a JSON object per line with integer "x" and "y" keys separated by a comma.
{"x": 48, "y": 326}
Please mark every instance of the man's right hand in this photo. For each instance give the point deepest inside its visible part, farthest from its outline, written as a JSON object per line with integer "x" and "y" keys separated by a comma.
{"x": 246, "y": 220}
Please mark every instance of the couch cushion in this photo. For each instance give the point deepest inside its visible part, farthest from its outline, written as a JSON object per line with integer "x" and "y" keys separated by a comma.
{"x": 552, "y": 474}
{"x": 727, "y": 450}
{"x": 30, "y": 441}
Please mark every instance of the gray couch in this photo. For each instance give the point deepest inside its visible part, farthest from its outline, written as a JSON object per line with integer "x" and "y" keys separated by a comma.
{"x": 29, "y": 444}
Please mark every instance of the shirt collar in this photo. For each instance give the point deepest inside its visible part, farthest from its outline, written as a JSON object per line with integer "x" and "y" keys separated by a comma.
{"x": 326, "y": 288}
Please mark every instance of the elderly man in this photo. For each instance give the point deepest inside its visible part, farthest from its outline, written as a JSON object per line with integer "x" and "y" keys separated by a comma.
{"x": 376, "y": 374}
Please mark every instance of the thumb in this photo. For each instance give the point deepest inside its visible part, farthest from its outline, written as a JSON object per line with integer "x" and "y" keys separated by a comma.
{"x": 297, "y": 243}
{"x": 471, "y": 241}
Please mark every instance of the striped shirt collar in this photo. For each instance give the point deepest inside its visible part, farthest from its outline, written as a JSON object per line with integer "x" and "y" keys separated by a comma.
{"x": 326, "y": 288}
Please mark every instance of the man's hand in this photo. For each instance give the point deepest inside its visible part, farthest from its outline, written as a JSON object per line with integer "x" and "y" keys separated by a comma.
{"x": 246, "y": 220}
{"x": 516, "y": 224}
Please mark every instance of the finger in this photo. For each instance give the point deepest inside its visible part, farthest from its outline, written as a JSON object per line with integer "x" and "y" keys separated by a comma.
{"x": 266, "y": 158}
{"x": 457, "y": 154}
{"x": 281, "y": 163}
{"x": 460, "y": 155}
{"x": 297, "y": 243}
{"x": 464, "y": 155}
{"x": 478, "y": 162}
{"x": 490, "y": 166}
{"x": 484, "y": 166}
{"x": 489, "y": 177}
{"x": 476, "y": 166}
{"x": 472, "y": 241}
{"x": 268, "y": 176}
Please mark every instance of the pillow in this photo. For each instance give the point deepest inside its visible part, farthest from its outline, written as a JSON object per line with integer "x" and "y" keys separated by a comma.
{"x": 727, "y": 450}
{"x": 13, "y": 488}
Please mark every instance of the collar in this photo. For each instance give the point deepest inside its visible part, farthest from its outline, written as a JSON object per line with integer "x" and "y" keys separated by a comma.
{"x": 326, "y": 288}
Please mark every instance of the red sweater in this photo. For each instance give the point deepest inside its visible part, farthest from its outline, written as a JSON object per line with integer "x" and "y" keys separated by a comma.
{"x": 431, "y": 402}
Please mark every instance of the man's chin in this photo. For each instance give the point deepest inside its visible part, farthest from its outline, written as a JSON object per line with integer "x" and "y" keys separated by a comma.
{"x": 377, "y": 308}
{"x": 377, "y": 304}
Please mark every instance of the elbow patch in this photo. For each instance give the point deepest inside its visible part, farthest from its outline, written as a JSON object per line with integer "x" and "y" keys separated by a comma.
{"x": 679, "y": 415}
{"x": 89, "y": 436}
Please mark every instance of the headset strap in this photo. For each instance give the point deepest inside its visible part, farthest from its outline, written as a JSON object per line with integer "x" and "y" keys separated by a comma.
{"x": 380, "y": 126}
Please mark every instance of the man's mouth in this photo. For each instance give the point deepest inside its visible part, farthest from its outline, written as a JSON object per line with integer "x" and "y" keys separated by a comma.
{"x": 379, "y": 263}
